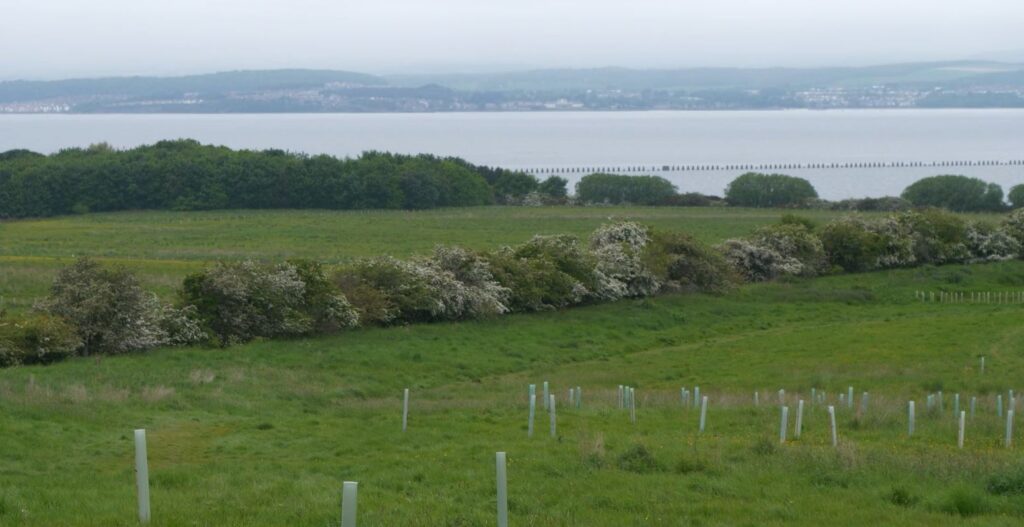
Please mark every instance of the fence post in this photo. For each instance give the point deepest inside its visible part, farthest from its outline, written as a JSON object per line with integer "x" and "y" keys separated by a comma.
{"x": 533, "y": 411}
{"x": 783, "y": 424}
{"x": 405, "y": 410}
{"x": 551, "y": 411}
{"x": 499, "y": 458}
{"x": 348, "y": 503}
{"x": 703, "y": 412}
{"x": 142, "y": 475}
{"x": 799, "y": 419}
{"x": 1009, "y": 428}
{"x": 910, "y": 418}
{"x": 960, "y": 435}
{"x": 832, "y": 424}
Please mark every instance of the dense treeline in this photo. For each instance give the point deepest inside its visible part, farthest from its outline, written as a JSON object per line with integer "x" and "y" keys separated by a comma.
{"x": 96, "y": 310}
{"x": 185, "y": 175}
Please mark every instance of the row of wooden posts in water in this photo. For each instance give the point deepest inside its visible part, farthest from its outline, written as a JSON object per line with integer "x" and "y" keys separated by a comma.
{"x": 626, "y": 400}
{"x": 974, "y": 297}
{"x": 714, "y": 167}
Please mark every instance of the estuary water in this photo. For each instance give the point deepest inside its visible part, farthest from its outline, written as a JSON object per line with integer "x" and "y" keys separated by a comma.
{"x": 668, "y": 144}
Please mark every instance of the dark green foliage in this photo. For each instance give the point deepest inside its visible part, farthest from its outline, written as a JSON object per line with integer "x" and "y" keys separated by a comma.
{"x": 536, "y": 283}
{"x": 902, "y": 497}
{"x": 39, "y": 339}
{"x": 511, "y": 187}
{"x": 692, "y": 199}
{"x": 939, "y": 236}
{"x": 769, "y": 190}
{"x": 883, "y": 204}
{"x": 554, "y": 187}
{"x": 385, "y": 290}
{"x": 640, "y": 460}
{"x": 956, "y": 193}
{"x": 1007, "y": 482}
{"x": 615, "y": 189}
{"x": 850, "y": 246}
{"x": 794, "y": 219}
{"x": 185, "y": 175}
{"x": 683, "y": 262}
{"x": 111, "y": 312}
{"x": 963, "y": 501}
{"x": 1016, "y": 196}
{"x": 239, "y": 301}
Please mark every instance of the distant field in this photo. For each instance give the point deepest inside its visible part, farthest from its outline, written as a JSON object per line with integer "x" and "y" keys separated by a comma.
{"x": 264, "y": 434}
{"x": 163, "y": 246}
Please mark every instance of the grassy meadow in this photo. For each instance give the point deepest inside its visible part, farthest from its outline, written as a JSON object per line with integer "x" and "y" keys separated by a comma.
{"x": 265, "y": 433}
{"x": 164, "y": 246}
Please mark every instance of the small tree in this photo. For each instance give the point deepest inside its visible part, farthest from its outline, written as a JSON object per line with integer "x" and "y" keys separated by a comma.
{"x": 769, "y": 190}
{"x": 1016, "y": 196}
{"x": 956, "y": 193}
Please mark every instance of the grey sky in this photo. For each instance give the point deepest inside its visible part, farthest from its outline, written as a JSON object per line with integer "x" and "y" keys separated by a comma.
{"x": 64, "y": 38}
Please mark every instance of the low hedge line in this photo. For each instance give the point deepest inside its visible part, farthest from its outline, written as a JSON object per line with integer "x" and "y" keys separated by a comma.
{"x": 96, "y": 310}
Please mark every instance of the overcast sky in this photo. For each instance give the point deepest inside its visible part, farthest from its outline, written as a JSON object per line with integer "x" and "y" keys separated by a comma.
{"x": 72, "y": 38}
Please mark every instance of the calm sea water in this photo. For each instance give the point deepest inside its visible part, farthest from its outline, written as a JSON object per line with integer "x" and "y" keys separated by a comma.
{"x": 598, "y": 139}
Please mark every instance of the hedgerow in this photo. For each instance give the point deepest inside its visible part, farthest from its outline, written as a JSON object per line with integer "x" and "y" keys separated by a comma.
{"x": 93, "y": 309}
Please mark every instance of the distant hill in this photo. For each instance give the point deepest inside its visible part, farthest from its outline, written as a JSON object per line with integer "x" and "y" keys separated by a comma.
{"x": 973, "y": 84}
{"x": 713, "y": 78}
{"x": 160, "y": 87}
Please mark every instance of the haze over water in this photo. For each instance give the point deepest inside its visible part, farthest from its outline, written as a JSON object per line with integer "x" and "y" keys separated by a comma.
{"x": 597, "y": 139}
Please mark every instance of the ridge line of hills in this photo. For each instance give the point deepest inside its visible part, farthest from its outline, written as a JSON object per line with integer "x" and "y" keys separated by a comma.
{"x": 911, "y": 85}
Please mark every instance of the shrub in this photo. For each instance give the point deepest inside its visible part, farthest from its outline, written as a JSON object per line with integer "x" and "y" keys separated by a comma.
{"x": 851, "y": 245}
{"x": 956, "y": 193}
{"x": 534, "y": 284}
{"x": 39, "y": 339}
{"x": 987, "y": 243}
{"x": 619, "y": 249}
{"x": 615, "y": 189}
{"x": 466, "y": 287}
{"x": 452, "y": 284}
{"x": 385, "y": 290}
{"x": 937, "y": 236}
{"x": 883, "y": 204}
{"x": 796, "y": 219}
{"x": 769, "y": 190}
{"x": 1013, "y": 225}
{"x": 684, "y": 263}
{"x": 797, "y": 242}
{"x": 112, "y": 313}
{"x": 691, "y": 199}
{"x": 756, "y": 262}
{"x": 568, "y": 255}
{"x": 238, "y": 301}
{"x": 322, "y": 301}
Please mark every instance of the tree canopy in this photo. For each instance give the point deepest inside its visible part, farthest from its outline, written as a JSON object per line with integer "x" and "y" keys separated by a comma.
{"x": 614, "y": 189}
{"x": 768, "y": 190}
{"x": 956, "y": 193}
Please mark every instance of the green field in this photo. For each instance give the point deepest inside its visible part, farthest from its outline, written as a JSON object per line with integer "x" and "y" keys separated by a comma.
{"x": 164, "y": 246}
{"x": 265, "y": 433}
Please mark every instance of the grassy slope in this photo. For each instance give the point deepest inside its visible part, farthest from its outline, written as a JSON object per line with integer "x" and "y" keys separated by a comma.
{"x": 263, "y": 434}
{"x": 163, "y": 246}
